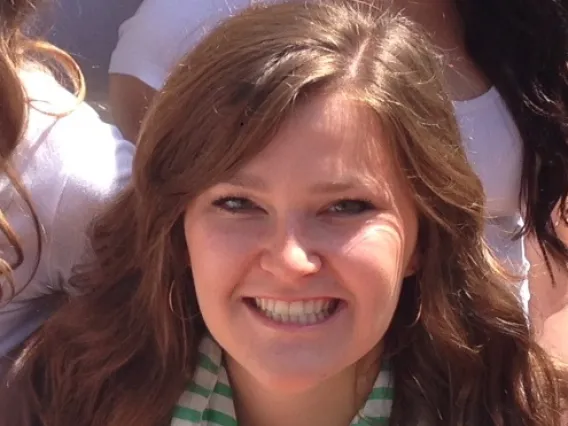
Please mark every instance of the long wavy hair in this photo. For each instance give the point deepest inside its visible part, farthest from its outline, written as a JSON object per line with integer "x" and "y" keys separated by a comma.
{"x": 121, "y": 354}
{"x": 17, "y": 50}
{"x": 522, "y": 47}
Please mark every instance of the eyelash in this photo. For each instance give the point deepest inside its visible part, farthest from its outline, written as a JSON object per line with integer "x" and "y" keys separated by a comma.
{"x": 363, "y": 205}
{"x": 221, "y": 204}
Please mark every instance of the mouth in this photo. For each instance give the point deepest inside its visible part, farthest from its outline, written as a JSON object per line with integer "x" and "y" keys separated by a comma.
{"x": 299, "y": 312}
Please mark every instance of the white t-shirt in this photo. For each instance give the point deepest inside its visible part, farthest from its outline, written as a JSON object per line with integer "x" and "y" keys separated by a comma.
{"x": 71, "y": 167}
{"x": 494, "y": 148}
{"x": 161, "y": 32}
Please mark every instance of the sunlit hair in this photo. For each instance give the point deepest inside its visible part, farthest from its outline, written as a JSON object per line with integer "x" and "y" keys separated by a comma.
{"x": 459, "y": 344}
{"x": 18, "y": 51}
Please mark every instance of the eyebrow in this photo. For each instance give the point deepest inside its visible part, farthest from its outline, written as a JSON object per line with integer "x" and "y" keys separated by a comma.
{"x": 248, "y": 181}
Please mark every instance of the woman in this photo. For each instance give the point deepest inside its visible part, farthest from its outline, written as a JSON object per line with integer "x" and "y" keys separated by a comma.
{"x": 505, "y": 70}
{"x": 59, "y": 163}
{"x": 302, "y": 246}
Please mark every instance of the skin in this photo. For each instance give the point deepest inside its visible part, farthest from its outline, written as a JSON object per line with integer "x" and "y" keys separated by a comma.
{"x": 281, "y": 228}
{"x": 441, "y": 21}
{"x": 549, "y": 300}
{"x": 129, "y": 98}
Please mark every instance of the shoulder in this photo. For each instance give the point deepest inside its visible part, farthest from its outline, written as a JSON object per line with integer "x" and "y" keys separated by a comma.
{"x": 76, "y": 144}
{"x": 74, "y": 164}
{"x": 176, "y": 26}
{"x": 71, "y": 164}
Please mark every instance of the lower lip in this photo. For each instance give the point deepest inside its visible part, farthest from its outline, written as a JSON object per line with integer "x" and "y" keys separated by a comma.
{"x": 266, "y": 321}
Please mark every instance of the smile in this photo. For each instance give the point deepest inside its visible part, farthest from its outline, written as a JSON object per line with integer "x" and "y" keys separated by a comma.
{"x": 300, "y": 312}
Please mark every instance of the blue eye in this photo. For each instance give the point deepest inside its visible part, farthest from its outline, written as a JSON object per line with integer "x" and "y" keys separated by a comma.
{"x": 235, "y": 204}
{"x": 350, "y": 207}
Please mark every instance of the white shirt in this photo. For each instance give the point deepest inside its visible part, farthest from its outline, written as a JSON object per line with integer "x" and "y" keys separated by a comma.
{"x": 161, "y": 32}
{"x": 494, "y": 148}
{"x": 71, "y": 167}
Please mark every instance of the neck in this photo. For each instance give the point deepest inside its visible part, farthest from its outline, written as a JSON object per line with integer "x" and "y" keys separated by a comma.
{"x": 443, "y": 23}
{"x": 440, "y": 18}
{"x": 333, "y": 402}
{"x": 424, "y": 4}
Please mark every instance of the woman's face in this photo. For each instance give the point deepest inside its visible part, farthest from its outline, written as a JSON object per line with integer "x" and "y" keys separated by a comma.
{"x": 299, "y": 257}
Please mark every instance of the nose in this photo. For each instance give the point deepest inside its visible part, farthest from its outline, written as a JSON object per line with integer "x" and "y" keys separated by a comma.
{"x": 288, "y": 257}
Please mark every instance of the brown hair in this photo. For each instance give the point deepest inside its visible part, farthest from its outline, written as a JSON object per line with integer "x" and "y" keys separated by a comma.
{"x": 460, "y": 346}
{"x": 17, "y": 51}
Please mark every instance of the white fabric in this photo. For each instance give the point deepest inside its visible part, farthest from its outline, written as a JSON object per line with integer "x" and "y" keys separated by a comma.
{"x": 495, "y": 150}
{"x": 162, "y": 31}
{"x": 70, "y": 167}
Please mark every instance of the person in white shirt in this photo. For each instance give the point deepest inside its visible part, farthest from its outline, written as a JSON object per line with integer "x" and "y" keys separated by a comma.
{"x": 150, "y": 43}
{"x": 60, "y": 165}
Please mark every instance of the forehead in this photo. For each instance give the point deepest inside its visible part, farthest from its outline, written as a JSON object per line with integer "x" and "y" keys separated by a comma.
{"x": 334, "y": 135}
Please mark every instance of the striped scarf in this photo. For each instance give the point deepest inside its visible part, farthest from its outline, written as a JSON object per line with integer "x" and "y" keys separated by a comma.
{"x": 208, "y": 400}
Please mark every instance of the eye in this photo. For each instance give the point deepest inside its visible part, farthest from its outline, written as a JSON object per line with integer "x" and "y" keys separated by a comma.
{"x": 350, "y": 207}
{"x": 236, "y": 205}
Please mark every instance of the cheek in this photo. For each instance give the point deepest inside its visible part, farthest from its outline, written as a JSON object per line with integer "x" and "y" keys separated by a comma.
{"x": 219, "y": 254}
{"x": 372, "y": 264}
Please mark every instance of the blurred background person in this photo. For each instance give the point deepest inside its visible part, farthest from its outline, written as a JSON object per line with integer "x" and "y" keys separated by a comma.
{"x": 150, "y": 43}
{"x": 88, "y": 30}
{"x": 60, "y": 163}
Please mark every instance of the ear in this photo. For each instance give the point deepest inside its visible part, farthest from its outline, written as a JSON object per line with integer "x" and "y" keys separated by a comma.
{"x": 413, "y": 265}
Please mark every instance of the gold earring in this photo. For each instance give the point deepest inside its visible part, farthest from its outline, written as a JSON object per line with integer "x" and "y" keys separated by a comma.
{"x": 170, "y": 297}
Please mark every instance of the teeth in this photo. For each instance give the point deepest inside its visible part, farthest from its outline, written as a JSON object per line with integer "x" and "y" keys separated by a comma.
{"x": 298, "y": 312}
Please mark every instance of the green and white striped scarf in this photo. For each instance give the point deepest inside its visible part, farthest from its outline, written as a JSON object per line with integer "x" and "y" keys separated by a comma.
{"x": 208, "y": 400}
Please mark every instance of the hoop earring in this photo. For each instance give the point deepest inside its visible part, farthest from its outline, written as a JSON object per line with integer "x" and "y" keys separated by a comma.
{"x": 171, "y": 303}
{"x": 420, "y": 302}
{"x": 170, "y": 297}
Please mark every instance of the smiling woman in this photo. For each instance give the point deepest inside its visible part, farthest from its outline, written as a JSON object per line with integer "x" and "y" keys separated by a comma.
{"x": 299, "y": 250}
{"x": 305, "y": 248}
